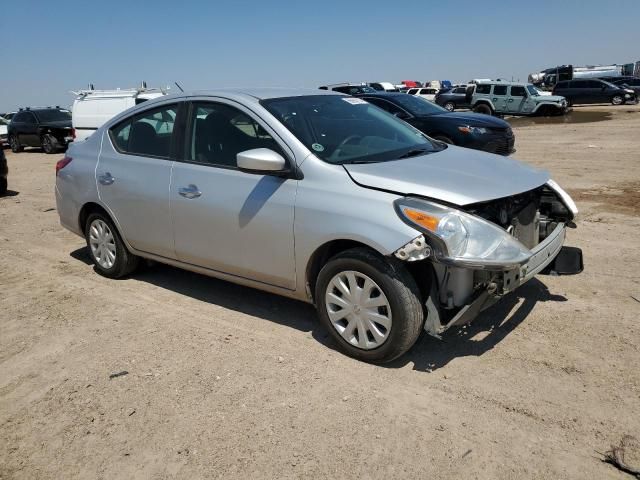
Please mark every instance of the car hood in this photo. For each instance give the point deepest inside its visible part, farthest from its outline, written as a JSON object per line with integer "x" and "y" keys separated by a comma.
{"x": 57, "y": 124}
{"x": 471, "y": 119}
{"x": 456, "y": 175}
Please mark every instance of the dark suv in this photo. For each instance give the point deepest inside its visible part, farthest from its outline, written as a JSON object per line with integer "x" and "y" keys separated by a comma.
{"x": 49, "y": 128}
{"x": 593, "y": 90}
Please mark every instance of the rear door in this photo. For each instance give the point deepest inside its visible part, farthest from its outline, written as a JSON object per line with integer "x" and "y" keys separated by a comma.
{"x": 134, "y": 175}
{"x": 519, "y": 100}
{"x": 226, "y": 219}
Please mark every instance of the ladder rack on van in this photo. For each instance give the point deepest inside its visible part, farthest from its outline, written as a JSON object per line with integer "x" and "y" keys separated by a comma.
{"x": 126, "y": 92}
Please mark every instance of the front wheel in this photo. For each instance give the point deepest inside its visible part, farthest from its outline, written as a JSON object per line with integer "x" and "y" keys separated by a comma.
{"x": 617, "y": 100}
{"x": 370, "y": 305}
{"x": 450, "y": 106}
{"x": 110, "y": 256}
{"x": 14, "y": 142}
{"x": 483, "y": 108}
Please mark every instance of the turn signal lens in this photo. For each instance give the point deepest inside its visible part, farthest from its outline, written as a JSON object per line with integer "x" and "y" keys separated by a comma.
{"x": 422, "y": 219}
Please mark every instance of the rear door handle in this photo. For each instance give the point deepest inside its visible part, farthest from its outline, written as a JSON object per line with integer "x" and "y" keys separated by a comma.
{"x": 510, "y": 100}
{"x": 190, "y": 192}
{"x": 106, "y": 179}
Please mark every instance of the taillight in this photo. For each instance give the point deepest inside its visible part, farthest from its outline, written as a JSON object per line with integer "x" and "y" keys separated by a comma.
{"x": 60, "y": 164}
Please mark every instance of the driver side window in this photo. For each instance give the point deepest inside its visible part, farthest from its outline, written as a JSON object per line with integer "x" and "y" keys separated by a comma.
{"x": 219, "y": 132}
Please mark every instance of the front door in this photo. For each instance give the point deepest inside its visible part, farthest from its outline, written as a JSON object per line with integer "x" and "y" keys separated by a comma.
{"x": 226, "y": 219}
{"x": 519, "y": 100}
{"x": 133, "y": 176}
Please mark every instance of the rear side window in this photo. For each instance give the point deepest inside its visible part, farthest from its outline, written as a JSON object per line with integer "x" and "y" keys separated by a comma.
{"x": 146, "y": 134}
{"x": 412, "y": 91}
{"x": 517, "y": 91}
{"x": 460, "y": 90}
{"x": 483, "y": 88}
{"x": 500, "y": 90}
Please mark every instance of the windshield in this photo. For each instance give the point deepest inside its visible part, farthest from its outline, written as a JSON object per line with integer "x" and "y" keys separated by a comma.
{"x": 533, "y": 91}
{"x": 342, "y": 129}
{"x": 417, "y": 106}
{"x": 609, "y": 84}
{"x": 53, "y": 115}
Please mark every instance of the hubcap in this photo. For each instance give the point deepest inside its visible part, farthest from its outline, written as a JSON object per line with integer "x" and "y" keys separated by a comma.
{"x": 358, "y": 309}
{"x": 449, "y": 106}
{"x": 617, "y": 100}
{"x": 102, "y": 243}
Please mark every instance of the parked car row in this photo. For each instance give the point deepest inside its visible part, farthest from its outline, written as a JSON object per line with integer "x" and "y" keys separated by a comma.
{"x": 387, "y": 231}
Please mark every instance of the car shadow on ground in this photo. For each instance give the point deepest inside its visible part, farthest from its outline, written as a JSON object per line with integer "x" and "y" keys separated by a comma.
{"x": 291, "y": 313}
{"x": 427, "y": 355}
{"x": 9, "y": 193}
{"x": 491, "y": 327}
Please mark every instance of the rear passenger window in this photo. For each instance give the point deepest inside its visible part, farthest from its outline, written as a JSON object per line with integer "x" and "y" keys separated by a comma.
{"x": 517, "y": 91}
{"x": 500, "y": 90}
{"x": 147, "y": 134}
{"x": 219, "y": 132}
{"x": 483, "y": 89}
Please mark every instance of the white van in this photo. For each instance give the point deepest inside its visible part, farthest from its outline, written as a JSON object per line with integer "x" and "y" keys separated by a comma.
{"x": 92, "y": 108}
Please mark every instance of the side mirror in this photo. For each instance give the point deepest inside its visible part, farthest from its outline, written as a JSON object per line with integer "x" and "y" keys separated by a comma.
{"x": 261, "y": 160}
{"x": 402, "y": 115}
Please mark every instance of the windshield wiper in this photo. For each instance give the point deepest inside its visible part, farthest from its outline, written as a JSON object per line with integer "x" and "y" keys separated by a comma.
{"x": 413, "y": 153}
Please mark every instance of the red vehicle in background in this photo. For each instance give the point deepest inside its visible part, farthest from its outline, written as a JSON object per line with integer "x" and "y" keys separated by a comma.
{"x": 411, "y": 83}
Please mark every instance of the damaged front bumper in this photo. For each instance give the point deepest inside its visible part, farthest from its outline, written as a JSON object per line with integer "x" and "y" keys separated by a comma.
{"x": 544, "y": 257}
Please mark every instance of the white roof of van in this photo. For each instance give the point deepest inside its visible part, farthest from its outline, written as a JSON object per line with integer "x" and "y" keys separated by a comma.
{"x": 120, "y": 93}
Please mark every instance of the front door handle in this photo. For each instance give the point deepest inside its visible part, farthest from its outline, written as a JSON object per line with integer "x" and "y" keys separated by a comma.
{"x": 510, "y": 100}
{"x": 106, "y": 179}
{"x": 190, "y": 192}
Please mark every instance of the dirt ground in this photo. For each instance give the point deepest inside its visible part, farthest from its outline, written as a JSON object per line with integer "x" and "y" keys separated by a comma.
{"x": 228, "y": 382}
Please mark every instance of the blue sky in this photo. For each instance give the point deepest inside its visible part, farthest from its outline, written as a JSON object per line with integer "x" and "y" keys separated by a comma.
{"x": 50, "y": 47}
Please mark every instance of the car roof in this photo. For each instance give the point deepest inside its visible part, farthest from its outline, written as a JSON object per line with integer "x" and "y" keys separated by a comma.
{"x": 260, "y": 93}
{"x": 502, "y": 82}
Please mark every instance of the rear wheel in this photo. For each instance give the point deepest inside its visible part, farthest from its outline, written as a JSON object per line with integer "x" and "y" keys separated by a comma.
{"x": 617, "y": 100}
{"x": 14, "y": 142}
{"x": 370, "y": 305}
{"x": 110, "y": 256}
{"x": 483, "y": 108}
{"x": 49, "y": 143}
{"x": 450, "y": 106}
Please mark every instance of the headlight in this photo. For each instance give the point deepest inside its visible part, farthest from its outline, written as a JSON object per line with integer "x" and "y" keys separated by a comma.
{"x": 565, "y": 198}
{"x": 460, "y": 238}
{"x": 469, "y": 129}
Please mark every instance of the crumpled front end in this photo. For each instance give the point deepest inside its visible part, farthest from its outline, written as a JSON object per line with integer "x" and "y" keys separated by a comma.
{"x": 461, "y": 288}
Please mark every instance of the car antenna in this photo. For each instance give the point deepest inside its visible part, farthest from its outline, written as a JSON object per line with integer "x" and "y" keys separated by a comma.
{"x": 178, "y": 85}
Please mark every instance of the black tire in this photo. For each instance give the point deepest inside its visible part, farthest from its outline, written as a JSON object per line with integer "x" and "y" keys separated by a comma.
{"x": 14, "y": 142}
{"x": 450, "y": 106}
{"x": 398, "y": 286}
{"x": 125, "y": 262}
{"x": 3, "y": 186}
{"x": 49, "y": 143}
{"x": 569, "y": 102}
{"x": 483, "y": 108}
{"x": 617, "y": 100}
{"x": 443, "y": 138}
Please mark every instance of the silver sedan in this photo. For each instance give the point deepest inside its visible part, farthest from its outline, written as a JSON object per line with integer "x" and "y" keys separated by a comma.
{"x": 316, "y": 196}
